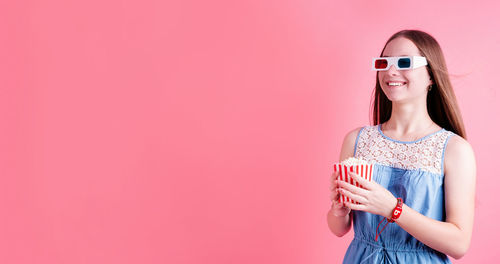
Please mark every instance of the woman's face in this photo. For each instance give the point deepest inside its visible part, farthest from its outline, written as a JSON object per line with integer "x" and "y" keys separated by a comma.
{"x": 415, "y": 82}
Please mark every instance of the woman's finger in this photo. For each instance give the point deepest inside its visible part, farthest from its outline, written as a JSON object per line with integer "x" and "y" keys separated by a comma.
{"x": 333, "y": 178}
{"x": 354, "y": 206}
{"x": 334, "y": 196}
{"x": 352, "y": 188}
{"x": 364, "y": 182}
{"x": 337, "y": 205}
{"x": 355, "y": 197}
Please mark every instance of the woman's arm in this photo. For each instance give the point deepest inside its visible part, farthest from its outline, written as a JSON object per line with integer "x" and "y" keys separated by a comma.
{"x": 451, "y": 237}
{"x": 340, "y": 225}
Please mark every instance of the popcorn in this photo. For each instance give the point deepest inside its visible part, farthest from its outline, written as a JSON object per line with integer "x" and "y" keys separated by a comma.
{"x": 354, "y": 161}
{"x": 361, "y": 167}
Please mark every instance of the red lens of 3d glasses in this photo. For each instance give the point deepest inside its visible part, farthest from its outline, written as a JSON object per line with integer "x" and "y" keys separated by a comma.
{"x": 380, "y": 64}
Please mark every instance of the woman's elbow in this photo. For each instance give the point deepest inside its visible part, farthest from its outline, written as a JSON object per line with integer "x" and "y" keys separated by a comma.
{"x": 340, "y": 233}
{"x": 460, "y": 250}
{"x": 338, "y": 225}
{"x": 457, "y": 255}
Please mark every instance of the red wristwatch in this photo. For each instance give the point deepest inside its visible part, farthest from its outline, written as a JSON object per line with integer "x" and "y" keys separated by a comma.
{"x": 397, "y": 211}
{"x": 395, "y": 215}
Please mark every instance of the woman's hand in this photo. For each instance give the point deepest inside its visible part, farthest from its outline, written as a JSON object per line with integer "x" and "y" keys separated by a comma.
{"x": 338, "y": 209}
{"x": 372, "y": 198}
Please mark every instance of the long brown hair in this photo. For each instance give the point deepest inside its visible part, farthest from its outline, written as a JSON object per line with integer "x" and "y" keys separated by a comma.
{"x": 442, "y": 104}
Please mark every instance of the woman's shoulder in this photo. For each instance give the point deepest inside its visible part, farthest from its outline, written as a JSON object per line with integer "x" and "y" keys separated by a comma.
{"x": 457, "y": 144}
{"x": 458, "y": 152}
{"x": 353, "y": 133}
{"x": 349, "y": 143}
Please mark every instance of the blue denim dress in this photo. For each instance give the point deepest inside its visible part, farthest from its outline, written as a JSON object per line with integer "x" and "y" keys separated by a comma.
{"x": 410, "y": 170}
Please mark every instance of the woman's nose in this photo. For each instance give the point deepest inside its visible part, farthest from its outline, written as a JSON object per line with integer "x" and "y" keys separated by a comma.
{"x": 392, "y": 70}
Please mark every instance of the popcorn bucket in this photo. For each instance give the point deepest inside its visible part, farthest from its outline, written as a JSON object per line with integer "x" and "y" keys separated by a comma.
{"x": 363, "y": 170}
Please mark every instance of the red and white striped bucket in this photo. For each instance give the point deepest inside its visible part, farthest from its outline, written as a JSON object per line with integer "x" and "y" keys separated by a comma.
{"x": 365, "y": 171}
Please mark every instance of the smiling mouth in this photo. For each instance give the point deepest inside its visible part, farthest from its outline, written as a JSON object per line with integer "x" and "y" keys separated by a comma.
{"x": 395, "y": 84}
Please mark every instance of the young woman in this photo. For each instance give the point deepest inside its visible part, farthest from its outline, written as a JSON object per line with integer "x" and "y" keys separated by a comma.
{"x": 419, "y": 206}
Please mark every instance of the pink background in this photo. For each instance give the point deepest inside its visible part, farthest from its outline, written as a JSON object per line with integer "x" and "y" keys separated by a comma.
{"x": 205, "y": 131}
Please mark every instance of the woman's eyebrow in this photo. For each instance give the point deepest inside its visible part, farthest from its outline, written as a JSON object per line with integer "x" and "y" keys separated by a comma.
{"x": 396, "y": 56}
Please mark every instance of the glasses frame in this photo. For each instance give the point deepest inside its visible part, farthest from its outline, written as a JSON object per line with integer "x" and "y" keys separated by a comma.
{"x": 415, "y": 62}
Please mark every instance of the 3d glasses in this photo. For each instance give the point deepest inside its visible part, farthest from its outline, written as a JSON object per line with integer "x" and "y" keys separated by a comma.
{"x": 401, "y": 63}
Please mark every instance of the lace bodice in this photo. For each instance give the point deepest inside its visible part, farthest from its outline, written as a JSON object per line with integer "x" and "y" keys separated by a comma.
{"x": 425, "y": 154}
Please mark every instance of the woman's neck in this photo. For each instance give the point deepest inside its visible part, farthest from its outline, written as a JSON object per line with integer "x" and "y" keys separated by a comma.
{"x": 409, "y": 119}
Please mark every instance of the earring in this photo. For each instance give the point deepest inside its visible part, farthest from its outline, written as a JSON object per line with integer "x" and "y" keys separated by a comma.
{"x": 430, "y": 87}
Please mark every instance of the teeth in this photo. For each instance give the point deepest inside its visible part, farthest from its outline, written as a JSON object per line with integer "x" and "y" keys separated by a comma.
{"x": 395, "y": 84}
